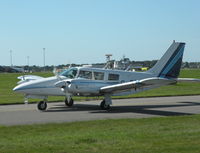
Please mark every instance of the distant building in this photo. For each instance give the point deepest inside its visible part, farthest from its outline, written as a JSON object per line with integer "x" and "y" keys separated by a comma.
{"x": 11, "y": 69}
{"x": 17, "y": 69}
{"x": 2, "y": 69}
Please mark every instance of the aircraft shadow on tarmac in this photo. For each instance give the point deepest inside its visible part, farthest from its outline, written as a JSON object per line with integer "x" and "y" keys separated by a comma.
{"x": 140, "y": 109}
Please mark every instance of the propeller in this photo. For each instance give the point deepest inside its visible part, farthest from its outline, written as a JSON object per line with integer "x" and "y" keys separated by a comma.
{"x": 58, "y": 77}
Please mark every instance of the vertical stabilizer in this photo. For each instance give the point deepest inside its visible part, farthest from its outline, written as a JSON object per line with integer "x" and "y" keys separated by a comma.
{"x": 170, "y": 64}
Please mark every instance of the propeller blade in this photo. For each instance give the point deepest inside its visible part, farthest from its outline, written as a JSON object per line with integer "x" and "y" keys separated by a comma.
{"x": 60, "y": 84}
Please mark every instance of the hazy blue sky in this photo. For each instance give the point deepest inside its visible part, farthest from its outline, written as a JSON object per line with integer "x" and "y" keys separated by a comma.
{"x": 83, "y": 31}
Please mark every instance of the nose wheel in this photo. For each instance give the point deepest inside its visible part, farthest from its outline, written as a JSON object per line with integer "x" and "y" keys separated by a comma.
{"x": 42, "y": 105}
{"x": 69, "y": 102}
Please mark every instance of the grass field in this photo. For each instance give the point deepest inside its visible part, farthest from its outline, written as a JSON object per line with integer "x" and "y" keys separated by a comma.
{"x": 177, "y": 134}
{"x": 9, "y": 80}
{"x": 153, "y": 135}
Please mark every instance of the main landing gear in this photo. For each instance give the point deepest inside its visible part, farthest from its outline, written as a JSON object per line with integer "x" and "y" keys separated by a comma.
{"x": 105, "y": 104}
{"x": 42, "y": 105}
{"x": 69, "y": 102}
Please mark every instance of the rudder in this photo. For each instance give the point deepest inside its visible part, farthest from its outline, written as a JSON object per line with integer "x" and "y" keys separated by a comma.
{"x": 170, "y": 64}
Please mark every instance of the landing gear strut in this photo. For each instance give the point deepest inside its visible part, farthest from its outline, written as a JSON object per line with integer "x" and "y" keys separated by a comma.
{"x": 42, "y": 105}
{"x": 105, "y": 104}
{"x": 69, "y": 102}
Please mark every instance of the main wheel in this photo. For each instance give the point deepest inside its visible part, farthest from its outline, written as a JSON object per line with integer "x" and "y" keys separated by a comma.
{"x": 69, "y": 103}
{"x": 104, "y": 106}
{"x": 42, "y": 105}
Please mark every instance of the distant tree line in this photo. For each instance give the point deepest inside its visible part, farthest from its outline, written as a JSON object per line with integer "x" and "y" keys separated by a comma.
{"x": 34, "y": 68}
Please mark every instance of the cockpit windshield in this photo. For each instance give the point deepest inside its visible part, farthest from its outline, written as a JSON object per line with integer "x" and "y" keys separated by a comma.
{"x": 69, "y": 73}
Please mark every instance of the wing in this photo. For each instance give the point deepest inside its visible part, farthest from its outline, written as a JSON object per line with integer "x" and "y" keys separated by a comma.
{"x": 149, "y": 82}
{"x": 26, "y": 78}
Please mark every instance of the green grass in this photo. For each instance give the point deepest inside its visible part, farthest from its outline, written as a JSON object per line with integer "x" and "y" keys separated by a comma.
{"x": 8, "y": 82}
{"x": 153, "y": 135}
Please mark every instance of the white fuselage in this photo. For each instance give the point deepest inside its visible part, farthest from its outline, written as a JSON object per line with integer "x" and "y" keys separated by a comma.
{"x": 86, "y": 81}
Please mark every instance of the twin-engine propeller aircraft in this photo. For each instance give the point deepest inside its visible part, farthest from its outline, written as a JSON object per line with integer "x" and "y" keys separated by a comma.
{"x": 83, "y": 81}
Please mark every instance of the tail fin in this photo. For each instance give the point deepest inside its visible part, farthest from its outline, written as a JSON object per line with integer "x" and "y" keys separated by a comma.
{"x": 170, "y": 64}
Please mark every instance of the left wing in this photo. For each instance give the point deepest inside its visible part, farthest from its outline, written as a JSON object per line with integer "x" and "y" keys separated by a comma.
{"x": 155, "y": 81}
{"x": 27, "y": 78}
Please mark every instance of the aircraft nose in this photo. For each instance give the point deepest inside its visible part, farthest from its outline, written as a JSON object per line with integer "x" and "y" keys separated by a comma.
{"x": 18, "y": 88}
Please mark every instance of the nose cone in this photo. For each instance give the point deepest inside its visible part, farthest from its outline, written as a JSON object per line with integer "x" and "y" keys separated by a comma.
{"x": 15, "y": 88}
{"x": 25, "y": 88}
{"x": 18, "y": 88}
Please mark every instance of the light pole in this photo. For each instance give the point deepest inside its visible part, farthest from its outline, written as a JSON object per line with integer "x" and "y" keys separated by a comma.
{"x": 28, "y": 63}
{"x": 11, "y": 58}
{"x": 44, "y": 58}
{"x": 28, "y": 60}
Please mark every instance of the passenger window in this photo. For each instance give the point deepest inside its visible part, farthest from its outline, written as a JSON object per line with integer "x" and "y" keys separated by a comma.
{"x": 98, "y": 75}
{"x": 113, "y": 77}
{"x": 85, "y": 74}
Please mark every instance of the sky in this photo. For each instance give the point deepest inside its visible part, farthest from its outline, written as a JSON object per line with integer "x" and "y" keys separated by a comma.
{"x": 83, "y": 31}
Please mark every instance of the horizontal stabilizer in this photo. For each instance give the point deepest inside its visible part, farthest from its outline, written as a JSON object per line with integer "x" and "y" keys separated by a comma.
{"x": 187, "y": 80}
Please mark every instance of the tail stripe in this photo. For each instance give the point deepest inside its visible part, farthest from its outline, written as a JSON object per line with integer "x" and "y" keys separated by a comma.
{"x": 172, "y": 62}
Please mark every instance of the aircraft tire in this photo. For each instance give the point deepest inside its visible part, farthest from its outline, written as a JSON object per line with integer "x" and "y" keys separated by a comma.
{"x": 104, "y": 106}
{"x": 42, "y": 105}
{"x": 69, "y": 103}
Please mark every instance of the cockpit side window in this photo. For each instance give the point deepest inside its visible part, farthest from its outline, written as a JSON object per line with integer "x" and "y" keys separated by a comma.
{"x": 113, "y": 77}
{"x": 98, "y": 76}
{"x": 70, "y": 73}
{"x": 85, "y": 74}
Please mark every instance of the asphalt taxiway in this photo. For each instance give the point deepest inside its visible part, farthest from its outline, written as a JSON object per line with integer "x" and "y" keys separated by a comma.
{"x": 90, "y": 110}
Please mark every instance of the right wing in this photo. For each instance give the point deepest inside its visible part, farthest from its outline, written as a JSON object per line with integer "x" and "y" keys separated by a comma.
{"x": 155, "y": 81}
